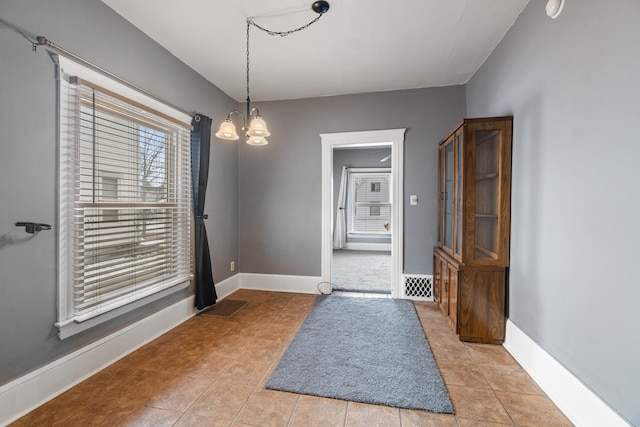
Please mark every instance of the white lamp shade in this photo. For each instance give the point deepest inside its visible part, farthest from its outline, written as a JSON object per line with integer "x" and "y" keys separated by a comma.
{"x": 256, "y": 140}
{"x": 227, "y": 131}
{"x": 258, "y": 127}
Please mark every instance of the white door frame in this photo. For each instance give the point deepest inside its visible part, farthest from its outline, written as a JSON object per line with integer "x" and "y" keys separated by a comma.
{"x": 389, "y": 137}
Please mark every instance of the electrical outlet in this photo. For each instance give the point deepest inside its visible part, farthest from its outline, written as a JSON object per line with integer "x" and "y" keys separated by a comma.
{"x": 232, "y": 266}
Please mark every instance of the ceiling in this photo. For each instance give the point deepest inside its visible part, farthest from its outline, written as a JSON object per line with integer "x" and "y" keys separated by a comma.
{"x": 355, "y": 47}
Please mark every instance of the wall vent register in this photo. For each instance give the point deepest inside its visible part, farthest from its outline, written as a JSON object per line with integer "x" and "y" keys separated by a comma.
{"x": 418, "y": 287}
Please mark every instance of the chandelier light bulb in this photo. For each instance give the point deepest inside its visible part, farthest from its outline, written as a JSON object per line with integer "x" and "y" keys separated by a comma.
{"x": 258, "y": 127}
{"x": 227, "y": 131}
{"x": 256, "y": 140}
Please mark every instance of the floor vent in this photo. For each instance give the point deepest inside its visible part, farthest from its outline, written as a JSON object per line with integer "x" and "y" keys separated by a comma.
{"x": 418, "y": 286}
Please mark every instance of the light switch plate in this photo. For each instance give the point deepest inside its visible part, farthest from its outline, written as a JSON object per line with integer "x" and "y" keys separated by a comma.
{"x": 413, "y": 199}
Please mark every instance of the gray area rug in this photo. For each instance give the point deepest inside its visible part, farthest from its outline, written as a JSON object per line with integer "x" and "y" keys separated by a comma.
{"x": 369, "y": 350}
{"x": 361, "y": 271}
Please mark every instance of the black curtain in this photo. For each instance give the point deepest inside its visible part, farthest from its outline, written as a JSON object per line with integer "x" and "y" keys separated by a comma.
{"x": 200, "y": 142}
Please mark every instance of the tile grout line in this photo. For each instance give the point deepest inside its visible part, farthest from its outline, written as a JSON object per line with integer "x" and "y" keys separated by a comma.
{"x": 477, "y": 364}
{"x": 257, "y": 387}
{"x": 295, "y": 407}
{"x": 346, "y": 413}
{"x": 184, "y": 413}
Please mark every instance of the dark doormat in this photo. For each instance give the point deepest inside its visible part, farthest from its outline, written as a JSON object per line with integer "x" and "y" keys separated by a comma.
{"x": 224, "y": 308}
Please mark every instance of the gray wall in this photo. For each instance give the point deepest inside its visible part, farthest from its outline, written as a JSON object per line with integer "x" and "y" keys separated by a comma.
{"x": 358, "y": 158}
{"x": 28, "y": 163}
{"x": 573, "y": 87}
{"x": 280, "y": 188}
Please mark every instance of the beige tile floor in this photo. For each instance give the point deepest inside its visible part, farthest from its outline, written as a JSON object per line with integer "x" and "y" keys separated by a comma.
{"x": 211, "y": 371}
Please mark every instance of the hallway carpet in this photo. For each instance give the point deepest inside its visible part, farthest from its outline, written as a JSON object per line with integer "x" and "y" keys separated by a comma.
{"x": 361, "y": 271}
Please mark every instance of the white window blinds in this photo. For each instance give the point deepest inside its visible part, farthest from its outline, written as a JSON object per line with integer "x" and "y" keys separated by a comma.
{"x": 370, "y": 207}
{"x": 125, "y": 198}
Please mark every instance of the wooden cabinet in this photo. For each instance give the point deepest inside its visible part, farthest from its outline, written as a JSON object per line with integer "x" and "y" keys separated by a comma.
{"x": 471, "y": 258}
{"x": 445, "y": 286}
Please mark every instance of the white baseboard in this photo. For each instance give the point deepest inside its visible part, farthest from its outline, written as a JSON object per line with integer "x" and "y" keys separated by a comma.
{"x": 17, "y": 398}
{"x": 279, "y": 283}
{"x": 579, "y": 403}
{"x": 227, "y": 286}
{"x": 26, "y": 393}
{"x": 361, "y": 246}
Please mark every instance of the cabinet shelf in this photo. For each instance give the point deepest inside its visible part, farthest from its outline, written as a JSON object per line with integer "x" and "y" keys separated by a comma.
{"x": 487, "y": 136}
{"x": 486, "y": 251}
{"x": 485, "y": 176}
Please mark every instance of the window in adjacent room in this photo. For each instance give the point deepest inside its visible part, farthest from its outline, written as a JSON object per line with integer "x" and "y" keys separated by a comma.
{"x": 369, "y": 200}
{"x": 109, "y": 188}
{"x": 125, "y": 199}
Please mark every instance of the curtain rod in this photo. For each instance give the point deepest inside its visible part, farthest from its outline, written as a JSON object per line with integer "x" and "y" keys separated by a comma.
{"x": 43, "y": 41}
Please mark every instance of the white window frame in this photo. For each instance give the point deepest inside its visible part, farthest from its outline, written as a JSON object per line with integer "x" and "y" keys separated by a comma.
{"x": 66, "y": 323}
{"x": 352, "y": 173}
{"x": 109, "y": 175}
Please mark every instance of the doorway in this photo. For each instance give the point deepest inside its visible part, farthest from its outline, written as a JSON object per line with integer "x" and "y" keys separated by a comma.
{"x": 392, "y": 141}
{"x": 362, "y": 182}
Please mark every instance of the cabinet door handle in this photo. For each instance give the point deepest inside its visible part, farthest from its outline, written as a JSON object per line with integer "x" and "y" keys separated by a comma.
{"x": 446, "y": 286}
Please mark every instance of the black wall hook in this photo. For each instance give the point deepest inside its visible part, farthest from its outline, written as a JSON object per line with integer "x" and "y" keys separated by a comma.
{"x": 33, "y": 227}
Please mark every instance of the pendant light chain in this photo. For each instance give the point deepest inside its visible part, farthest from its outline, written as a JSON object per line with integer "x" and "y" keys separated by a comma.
{"x": 251, "y": 22}
{"x": 283, "y": 33}
{"x": 253, "y": 125}
{"x": 248, "y": 99}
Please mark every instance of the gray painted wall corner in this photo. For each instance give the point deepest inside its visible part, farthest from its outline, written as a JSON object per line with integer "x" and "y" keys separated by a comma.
{"x": 572, "y": 85}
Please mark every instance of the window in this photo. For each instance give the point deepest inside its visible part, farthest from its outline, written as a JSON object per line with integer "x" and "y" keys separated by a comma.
{"x": 125, "y": 197}
{"x": 369, "y": 203}
{"x": 109, "y": 188}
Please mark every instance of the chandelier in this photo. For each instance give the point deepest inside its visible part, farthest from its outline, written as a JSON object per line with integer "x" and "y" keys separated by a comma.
{"x": 256, "y": 133}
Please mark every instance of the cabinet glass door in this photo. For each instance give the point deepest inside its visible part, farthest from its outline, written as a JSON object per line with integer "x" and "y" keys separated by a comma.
{"x": 441, "y": 180}
{"x": 459, "y": 156}
{"x": 448, "y": 195}
{"x": 487, "y": 176}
